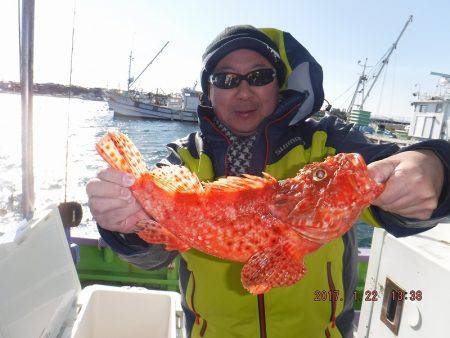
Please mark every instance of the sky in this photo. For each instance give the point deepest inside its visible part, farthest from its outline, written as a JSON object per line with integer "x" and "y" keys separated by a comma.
{"x": 337, "y": 34}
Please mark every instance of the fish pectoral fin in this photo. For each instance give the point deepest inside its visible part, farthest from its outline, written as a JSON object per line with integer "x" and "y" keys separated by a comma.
{"x": 275, "y": 266}
{"x": 153, "y": 232}
{"x": 285, "y": 207}
{"x": 323, "y": 228}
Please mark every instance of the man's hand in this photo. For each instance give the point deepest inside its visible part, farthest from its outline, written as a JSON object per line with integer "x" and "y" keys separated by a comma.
{"x": 413, "y": 181}
{"x": 111, "y": 202}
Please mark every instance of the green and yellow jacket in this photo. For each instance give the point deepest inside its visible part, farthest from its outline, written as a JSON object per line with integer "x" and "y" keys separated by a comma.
{"x": 214, "y": 301}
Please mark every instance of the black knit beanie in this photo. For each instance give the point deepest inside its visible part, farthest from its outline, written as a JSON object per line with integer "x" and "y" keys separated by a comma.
{"x": 240, "y": 37}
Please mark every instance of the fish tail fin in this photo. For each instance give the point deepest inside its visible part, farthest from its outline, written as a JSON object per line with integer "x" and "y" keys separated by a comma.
{"x": 276, "y": 266}
{"x": 175, "y": 178}
{"x": 120, "y": 152}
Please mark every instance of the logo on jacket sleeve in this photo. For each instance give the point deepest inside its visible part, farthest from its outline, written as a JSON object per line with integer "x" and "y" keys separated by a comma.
{"x": 293, "y": 141}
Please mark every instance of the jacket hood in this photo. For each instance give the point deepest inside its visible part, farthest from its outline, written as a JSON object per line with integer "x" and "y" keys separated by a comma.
{"x": 303, "y": 80}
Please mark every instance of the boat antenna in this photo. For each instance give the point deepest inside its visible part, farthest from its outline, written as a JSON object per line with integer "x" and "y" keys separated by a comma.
{"x": 71, "y": 212}
{"x": 443, "y": 82}
{"x": 381, "y": 64}
{"x": 132, "y": 81}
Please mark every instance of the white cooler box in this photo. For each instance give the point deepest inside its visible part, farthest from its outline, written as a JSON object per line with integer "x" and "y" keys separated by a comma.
{"x": 40, "y": 294}
{"x": 408, "y": 280}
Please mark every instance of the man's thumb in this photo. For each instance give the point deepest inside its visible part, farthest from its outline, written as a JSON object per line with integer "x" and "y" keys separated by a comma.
{"x": 380, "y": 171}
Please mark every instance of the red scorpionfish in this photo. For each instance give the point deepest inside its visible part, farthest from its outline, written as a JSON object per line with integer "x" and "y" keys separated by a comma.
{"x": 266, "y": 224}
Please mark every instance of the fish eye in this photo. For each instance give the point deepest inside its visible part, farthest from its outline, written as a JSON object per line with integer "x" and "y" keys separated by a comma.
{"x": 319, "y": 174}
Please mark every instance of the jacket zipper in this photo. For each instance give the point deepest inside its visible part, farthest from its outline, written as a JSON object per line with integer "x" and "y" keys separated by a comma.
{"x": 262, "y": 316}
{"x": 261, "y": 305}
{"x": 203, "y": 329}
{"x": 197, "y": 315}
{"x": 332, "y": 295}
{"x": 225, "y": 161}
{"x": 266, "y": 130}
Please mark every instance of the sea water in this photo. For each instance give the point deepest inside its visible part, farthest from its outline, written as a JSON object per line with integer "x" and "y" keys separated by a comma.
{"x": 81, "y": 123}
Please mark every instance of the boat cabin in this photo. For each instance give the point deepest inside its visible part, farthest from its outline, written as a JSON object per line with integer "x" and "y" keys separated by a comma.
{"x": 431, "y": 119}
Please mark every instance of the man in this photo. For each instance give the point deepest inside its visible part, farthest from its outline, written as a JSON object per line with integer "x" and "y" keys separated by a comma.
{"x": 260, "y": 86}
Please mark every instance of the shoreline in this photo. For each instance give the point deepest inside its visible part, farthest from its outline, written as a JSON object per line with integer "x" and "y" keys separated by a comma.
{"x": 61, "y": 96}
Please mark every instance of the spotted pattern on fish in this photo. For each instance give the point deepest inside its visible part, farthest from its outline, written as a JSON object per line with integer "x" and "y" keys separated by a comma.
{"x": 267, "y": 224}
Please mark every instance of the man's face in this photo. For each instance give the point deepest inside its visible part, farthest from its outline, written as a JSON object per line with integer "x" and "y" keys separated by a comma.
{"x": 243, "y": 108}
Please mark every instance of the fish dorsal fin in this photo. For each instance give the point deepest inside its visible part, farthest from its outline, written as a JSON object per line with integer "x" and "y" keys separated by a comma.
{"x": 176, "y": 178}
{"x": 118, "y": 150}
{"x": 236, "y": 184}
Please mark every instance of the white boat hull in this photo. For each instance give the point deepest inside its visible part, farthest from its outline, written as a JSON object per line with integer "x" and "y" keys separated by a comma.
{"x": 417, "y": 268}
{"x": 124, "y": 106}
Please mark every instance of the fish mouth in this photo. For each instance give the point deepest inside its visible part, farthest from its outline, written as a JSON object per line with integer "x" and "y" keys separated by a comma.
{"x": 358, "y": 161}
{"x": 370, "y": 189}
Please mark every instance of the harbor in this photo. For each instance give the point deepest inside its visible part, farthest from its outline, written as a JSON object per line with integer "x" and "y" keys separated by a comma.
{"x": 430, "y": 118}
{"x": 62, "y": 279}
{"x": 96, "y": 263}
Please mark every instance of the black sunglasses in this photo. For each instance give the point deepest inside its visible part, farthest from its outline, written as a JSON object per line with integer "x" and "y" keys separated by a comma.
{"x": 259, "y": 77}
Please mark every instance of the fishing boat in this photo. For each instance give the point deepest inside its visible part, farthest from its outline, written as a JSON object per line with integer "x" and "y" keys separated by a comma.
{"x": 131, "y": 103}
{"x": 181, "y": 107}
{"x": 47, "y": 279}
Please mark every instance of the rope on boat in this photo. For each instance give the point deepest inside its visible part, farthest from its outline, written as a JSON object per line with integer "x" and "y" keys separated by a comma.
{"x": 71, "y": 212}
{"x": 68, "y": 110}
{"x": 394, "y": 71}
{"x": 382, "y": 89}
{"x": 344, "y": 92}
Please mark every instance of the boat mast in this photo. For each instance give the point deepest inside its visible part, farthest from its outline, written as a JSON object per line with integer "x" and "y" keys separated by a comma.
{"x": 384, "y": 62}
{"x": 151, "y": 61}
{"x": 26, "y": 46}
{"x": 386, "y": 59}
{"x": 361, "y": 82}
{"x": 129, "y": 71}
